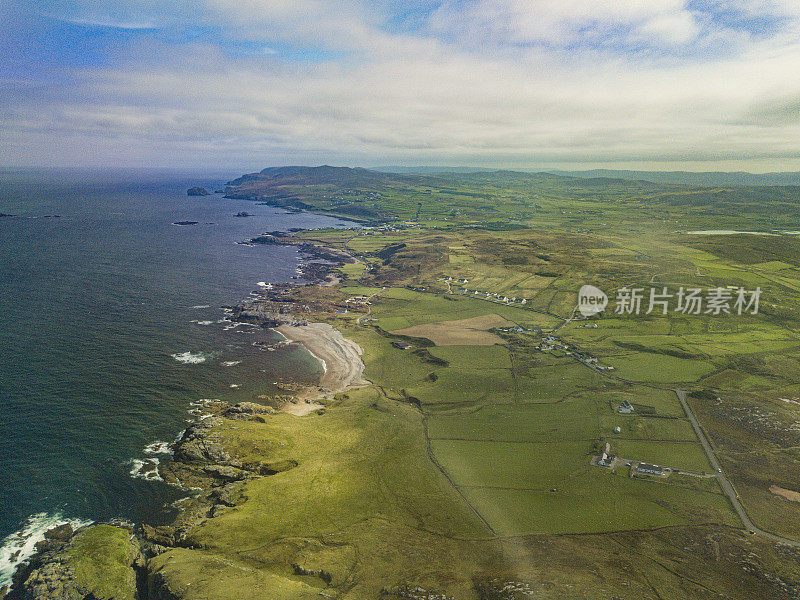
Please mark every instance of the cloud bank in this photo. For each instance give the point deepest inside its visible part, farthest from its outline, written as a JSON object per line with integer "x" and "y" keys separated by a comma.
{"x": 519, "y": 83}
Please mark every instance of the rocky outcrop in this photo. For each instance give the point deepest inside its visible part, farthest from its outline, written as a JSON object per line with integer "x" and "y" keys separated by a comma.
{"x": 102, "y": 562}
{"x": 226, "y": 473}
{"x": 68, "y": 563}
{"x": 228, "y": 495}
{"x": 248, "y": 411}
{"x": 195, "y": 446}
{"x": 163, "y": 535}
{"x": 197, "y": 191}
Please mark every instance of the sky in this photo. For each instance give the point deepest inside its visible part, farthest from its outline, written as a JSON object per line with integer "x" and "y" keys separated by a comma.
{"x": 525, "y": 84}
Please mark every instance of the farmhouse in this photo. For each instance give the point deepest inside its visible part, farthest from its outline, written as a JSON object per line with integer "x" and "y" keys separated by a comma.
{"x": 606, "y": 459}
{"x": 648, "y": 469}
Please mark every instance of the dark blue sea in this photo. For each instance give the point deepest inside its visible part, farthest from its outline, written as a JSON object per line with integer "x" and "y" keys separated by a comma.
{"x": 111, "y": 325}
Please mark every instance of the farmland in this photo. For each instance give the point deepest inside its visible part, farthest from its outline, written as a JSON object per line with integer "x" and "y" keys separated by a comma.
{"x": 470, "y": 458}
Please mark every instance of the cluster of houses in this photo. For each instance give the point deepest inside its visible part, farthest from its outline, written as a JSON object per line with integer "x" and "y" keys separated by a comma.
{"x": 494, "y": 297}
{"x": 490, "y": 296}
{"x": 552, "y": 342}
{"x": 359, "y": 300}
{"x": 519, "y": 329}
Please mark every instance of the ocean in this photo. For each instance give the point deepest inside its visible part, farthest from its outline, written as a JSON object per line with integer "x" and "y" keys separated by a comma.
{"x": 112, "y": 324}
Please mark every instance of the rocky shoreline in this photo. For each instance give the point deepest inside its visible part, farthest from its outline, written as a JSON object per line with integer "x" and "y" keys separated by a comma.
{"x": 314, "y": 271}
{"x": 200, "y": 462}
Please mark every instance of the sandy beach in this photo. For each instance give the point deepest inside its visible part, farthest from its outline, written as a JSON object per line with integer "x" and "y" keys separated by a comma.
{"x": 340, "y": 359}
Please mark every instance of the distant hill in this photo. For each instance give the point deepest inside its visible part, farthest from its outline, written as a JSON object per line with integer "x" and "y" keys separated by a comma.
{"x": 502, "y": 198}
{"x": 707, "y": 178}
{"x": 432, "y": 170}
{"x": 323, "y": 175}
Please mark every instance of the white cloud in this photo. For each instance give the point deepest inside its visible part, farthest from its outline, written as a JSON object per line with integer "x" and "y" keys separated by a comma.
{"x": 671, "y": 29}
{"x": 419, "y": 97}
{"x": 565, "y": 21}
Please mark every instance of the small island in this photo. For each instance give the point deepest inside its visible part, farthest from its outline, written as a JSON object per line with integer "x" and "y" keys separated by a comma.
{"x": 197, "y": 191}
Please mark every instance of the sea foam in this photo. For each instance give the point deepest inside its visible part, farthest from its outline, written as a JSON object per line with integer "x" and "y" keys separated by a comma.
{"x": 158, "y": 447}
{"x": 146, "y": 469}
{"x": 189, "y": 358}
{"x": 18, "y": 547}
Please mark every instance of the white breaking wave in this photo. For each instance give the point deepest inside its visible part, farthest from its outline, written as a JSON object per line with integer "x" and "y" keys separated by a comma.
{"x": 146, "y": 469}
{"x": 230, "y": 363}
{"x": 236, "y": 324}
{"x": 199, "y": 306}
{"x": 189, "y": 358}
{"x": 18, "y": 547}
{"x": 204, "y": 322}
{"x": 158, "y": 447}
{"x": 204, "y": 402}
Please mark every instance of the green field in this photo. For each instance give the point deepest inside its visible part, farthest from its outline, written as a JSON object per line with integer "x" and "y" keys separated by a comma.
{"x": 679, "y": 455}
{"x": 465, "y": 463}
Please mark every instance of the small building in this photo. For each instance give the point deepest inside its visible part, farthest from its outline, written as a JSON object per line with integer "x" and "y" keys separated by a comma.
{"x": 649, "y": 469}
{"x": 608, "y": 461}
{"x": 617, "y": 429}
{"x": 402, "y": 345}
{"x": 606, "y": 451}
{"x": 625, "y": 408}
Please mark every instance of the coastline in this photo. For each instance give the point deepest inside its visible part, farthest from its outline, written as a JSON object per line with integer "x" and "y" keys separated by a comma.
{"x": 200, "y": 463}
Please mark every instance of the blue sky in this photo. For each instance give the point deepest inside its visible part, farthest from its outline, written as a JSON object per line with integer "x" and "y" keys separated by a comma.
{"x": 711, "y": 84}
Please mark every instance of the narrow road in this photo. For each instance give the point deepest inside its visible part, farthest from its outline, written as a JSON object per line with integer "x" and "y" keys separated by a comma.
{"x": 724, "y": 483}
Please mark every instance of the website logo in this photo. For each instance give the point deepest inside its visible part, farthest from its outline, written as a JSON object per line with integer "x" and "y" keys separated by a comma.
{"x": 591, "y": 300}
